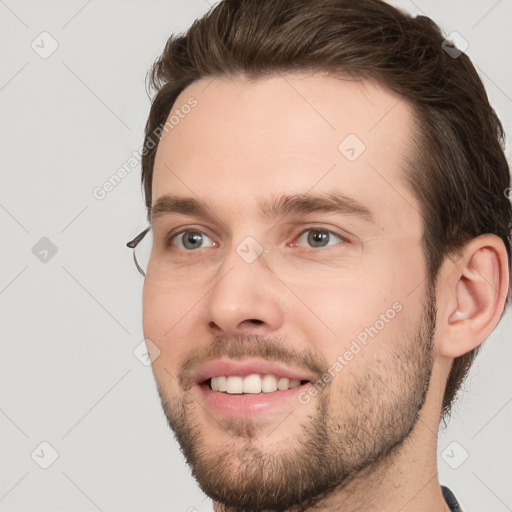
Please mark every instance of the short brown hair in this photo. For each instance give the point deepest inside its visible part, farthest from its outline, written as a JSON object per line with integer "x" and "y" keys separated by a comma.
{"x": 458, "y": 171}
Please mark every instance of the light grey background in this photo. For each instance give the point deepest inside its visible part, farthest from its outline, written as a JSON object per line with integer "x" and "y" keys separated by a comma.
{"x": 69, "y": 325}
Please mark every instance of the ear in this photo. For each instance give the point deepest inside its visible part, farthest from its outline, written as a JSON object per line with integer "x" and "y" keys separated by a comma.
{"x": 472, "y": 293}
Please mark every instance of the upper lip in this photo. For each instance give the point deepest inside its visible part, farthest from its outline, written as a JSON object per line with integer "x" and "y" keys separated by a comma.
{"x": 246, "y": 367}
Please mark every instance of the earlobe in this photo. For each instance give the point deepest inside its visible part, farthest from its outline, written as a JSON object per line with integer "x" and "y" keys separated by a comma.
{"x": 479, "y": 282}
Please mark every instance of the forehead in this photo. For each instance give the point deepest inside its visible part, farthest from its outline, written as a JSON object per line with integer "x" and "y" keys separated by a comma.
{"x": 291, "y": 133}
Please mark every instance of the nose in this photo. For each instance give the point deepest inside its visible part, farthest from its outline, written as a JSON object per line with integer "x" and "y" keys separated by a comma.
{"x": 245, "y": 299}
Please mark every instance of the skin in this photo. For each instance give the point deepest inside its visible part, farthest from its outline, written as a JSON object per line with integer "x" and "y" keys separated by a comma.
{"x": 375, "y": 423}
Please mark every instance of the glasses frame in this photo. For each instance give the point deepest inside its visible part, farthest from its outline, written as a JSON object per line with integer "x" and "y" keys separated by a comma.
{"x": 132, "y": 244}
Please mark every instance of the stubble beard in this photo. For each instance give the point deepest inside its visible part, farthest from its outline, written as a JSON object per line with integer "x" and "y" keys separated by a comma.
{"x": 344, "y": 437}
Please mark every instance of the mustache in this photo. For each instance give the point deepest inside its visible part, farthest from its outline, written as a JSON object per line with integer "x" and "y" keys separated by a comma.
{"x": 270, "y": 349}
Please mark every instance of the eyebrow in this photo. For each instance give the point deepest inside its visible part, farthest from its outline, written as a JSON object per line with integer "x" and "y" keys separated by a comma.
{"x": 315, "y": 203}
{"x": 168, "y": 204}
{"x": 280, "y": 206}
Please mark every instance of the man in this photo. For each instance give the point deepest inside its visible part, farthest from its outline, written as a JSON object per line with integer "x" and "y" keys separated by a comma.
{"x": 330, "y": 230}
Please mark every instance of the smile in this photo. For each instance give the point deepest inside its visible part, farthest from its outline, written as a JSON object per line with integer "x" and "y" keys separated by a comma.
{"x": 242, "y": 388}
{"x": 252, "y": 384}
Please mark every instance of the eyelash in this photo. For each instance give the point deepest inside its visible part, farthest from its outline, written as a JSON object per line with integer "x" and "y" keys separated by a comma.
{"x": 170, "y": 240}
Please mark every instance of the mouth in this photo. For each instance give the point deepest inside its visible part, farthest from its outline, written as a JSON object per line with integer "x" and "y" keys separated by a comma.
{"x": 247, "y": 388}
{"x": 251, "y": 384}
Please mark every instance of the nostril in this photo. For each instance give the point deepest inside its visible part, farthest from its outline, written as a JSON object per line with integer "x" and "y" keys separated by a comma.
{"x": 255, "y": 321}
{"x": 214, "y": 326}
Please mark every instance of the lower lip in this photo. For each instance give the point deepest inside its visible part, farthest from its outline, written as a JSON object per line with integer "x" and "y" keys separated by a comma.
{"x": 237, "y": 405}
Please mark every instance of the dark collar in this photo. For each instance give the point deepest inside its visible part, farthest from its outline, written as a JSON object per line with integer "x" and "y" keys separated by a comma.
{"x": 450, "y": 499}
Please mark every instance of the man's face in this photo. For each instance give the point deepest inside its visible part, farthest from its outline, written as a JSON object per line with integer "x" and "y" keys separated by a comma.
{"x": 301, "y": 261}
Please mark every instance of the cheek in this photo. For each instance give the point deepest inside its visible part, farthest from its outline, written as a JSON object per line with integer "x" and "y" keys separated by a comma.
{"x": 360, "y": 318}
{"x": 171, "y": 321}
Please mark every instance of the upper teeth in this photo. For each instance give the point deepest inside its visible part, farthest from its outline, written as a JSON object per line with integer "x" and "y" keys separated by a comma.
{"x": 253, "y": 383}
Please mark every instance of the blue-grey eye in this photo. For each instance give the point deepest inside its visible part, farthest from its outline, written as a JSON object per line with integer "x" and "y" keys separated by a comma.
{"x": 318, "y": 238}
{"x": 190, "y": 240}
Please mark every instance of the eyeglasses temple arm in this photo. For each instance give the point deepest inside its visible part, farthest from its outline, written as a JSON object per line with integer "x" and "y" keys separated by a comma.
{"x": 133, "y": 243}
